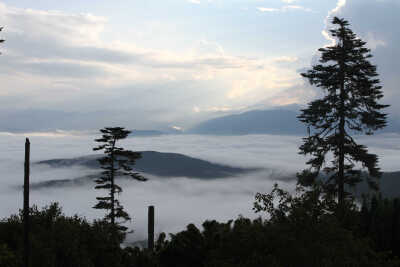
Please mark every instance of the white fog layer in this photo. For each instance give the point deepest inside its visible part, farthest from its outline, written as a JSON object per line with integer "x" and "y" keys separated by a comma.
{"x": 178, "y": 201}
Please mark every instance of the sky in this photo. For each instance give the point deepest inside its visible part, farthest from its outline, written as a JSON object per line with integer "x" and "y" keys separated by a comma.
{"x": 173, "y": 63}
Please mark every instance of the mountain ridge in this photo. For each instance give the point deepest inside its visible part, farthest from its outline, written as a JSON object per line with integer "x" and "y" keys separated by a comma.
{"x": 271, "y": 121}
{"x": 160, "y": 164}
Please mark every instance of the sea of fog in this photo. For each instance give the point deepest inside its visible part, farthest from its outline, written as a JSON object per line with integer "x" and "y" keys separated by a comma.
{"x": 178, "y": 201}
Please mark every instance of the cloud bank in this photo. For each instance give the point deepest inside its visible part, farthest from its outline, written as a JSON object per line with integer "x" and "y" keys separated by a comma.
{"x": 178, "y": 201}
{"x": 58, "y": 61}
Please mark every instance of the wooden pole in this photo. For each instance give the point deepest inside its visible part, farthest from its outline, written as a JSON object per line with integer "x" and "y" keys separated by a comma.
{"x": 150, "y": 239}
{"x": 26, "y": 205}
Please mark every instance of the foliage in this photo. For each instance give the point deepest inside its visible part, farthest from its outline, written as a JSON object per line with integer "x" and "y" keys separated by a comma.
{"x": 59, "y": 240}
{"x": 1, "y": 40}
{"x": 312, "y": 233}
{"x": 350, "y": 105}
{"x": 262, "y": 243}
{"x": 381, "y": 222}
{"x": 117, "y": 161}
{"x": 7, "y": 257}
{"x": 301, "y": 231}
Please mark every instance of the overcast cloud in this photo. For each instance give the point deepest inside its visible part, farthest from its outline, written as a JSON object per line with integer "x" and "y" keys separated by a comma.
{"x": 54, "y": 60}
{"x": 67, "y": 59}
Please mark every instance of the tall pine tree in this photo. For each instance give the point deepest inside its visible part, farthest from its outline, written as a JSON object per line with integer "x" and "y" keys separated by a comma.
{"x": 351, "y": 91}
{"x": 116, "y": 162}
{"x": 1, "y": 40}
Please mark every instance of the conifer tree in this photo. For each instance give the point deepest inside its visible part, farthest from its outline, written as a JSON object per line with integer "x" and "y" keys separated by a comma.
{"x": 1, "y": 40}
{"x": 349, "y": 106}
{"x": 116, "y": 162}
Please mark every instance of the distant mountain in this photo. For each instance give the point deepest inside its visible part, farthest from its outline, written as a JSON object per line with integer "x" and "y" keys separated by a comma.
{"x": 50, "y": 120}
{"x": 276, "y": 121}
{"x": 178, "y": 165}
{"x": 152, "y": 162}
{"x": 389, "y": 185}
{"x": 73, "y": 182}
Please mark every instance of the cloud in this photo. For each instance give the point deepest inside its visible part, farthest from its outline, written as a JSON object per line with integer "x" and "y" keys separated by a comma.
{"x": 178, "y": 201}
{"x": 57, "y": 61}
{"x": 284, "y": 8}
{"x": 268, "y": 9}
{"x": 373, "y": 41}
{"x": 62, "y": 68}
{"x": 286, "y": 59}
{"x": 54, "y": 60}
{"x": 339, "y": 5}
{"x": 197, "y": 2}
{"x": 218, "y": 109}
{"x": 177, "y": 128}
{"x": 175, "y": 199}
{"x": 374, "y": 22}
{"x": 289, "y": 7}
{"x": 54, "y": 26}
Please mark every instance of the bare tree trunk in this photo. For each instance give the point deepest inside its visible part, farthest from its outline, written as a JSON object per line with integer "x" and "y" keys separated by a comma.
{"x": 112, "y": 187}
{"x": 150, "y": 239}
{"x": 26, "y": 205}
{"x": 341, "y": 129}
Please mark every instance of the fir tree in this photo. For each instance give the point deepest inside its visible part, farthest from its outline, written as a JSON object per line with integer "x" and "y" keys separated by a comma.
{"x": 351, "y": 91}
{"x": 116, "y": 162}
{"x": 1, "y": 40}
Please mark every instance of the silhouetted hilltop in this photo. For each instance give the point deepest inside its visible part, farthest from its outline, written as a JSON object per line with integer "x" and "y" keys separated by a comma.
{"x": 389, "y": 185}
{"x": 155, "y": 163}
{"x": 275, "y": 121}
{"x": 253, "y": 122}
{"x": 178, "y": 165}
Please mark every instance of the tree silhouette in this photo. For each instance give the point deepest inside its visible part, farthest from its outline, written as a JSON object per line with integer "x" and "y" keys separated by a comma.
{"x": 117, "y": 161}
{"x": 1, "y": 40}
{"x": 350, "y": 105}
